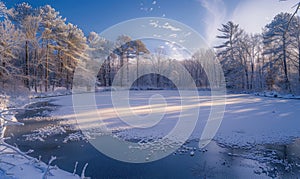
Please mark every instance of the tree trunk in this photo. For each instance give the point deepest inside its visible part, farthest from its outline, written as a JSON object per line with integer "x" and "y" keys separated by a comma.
{"x": 263, "y": 79}
{"x": 287, "y": 83}
{"x": 47, "y": 68}
{"x": 299, "y": 68}
{"x": 27, "y": 65}
{"x": 299, "y": 63}
{"x": 107, "y": 72}
{"x": 67, "y": 80}
{"x": 3, "y": 81}
{"x": 157, "y": 80}
{"x": 252, "y": 75}
{"x": 72, "y": 77}
{"x": 137, "y": 70}
{"x": 121, "y": 67}
{"x": 247, "y": 78}
{"x": 127, "y": 70}
{"x": 35, "y": 70}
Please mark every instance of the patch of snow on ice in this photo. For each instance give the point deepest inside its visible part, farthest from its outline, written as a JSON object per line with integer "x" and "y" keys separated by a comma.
{"x": 77, "y": 136}
{"x": 43, "y": 133}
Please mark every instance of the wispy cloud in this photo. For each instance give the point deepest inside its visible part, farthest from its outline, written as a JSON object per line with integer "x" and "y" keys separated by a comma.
{"x": 216, "y": 14}
{"x": 253, "y": 15}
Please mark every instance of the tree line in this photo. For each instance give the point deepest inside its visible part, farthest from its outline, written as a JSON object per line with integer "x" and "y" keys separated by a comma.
{"x": 266, "y": 61}
{"x": 40, "y": 50}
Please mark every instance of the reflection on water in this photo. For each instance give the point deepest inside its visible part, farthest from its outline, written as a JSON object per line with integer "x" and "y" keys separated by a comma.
{"x": 215, "y": 161}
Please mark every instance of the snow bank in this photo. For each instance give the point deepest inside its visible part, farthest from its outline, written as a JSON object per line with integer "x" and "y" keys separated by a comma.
{"x": 274, "y": 94}
{"x": 15, "y": 164}
{"x": 58, "y": 91}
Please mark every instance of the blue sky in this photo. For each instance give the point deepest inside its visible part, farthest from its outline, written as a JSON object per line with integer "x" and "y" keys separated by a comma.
{"x": 97, "y": 15}
{"x": 205, "y": 16}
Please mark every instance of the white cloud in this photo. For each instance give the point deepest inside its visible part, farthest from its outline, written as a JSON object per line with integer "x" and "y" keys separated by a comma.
{"x": 155, "y": 24}
{"x": 170, "y": 27}
{"x": 156, "y": 36}
{"x": 253, "y": 15}
{"x": 187, "y": 34}
{"x": 175, "y": 51}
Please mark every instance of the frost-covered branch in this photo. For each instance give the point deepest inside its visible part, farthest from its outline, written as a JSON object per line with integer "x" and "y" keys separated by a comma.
{"x": 83, "y": 171}
{"x": 48, "y": 167}
{"x": 16, "y": 150}
{"x": 75, "y": 168}
{"x": 292, "y": 17}
{"x": 7, "y": 119}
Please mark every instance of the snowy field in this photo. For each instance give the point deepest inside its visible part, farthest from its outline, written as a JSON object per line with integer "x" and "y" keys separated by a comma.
{"x": 248, "y": 119}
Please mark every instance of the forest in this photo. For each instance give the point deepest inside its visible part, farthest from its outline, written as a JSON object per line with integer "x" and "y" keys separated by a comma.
{"x": 165, "y": 103}
{"x": 40, "y": 50}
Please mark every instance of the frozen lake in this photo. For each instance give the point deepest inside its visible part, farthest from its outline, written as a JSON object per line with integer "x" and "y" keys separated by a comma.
{"x": 257, "y": 137}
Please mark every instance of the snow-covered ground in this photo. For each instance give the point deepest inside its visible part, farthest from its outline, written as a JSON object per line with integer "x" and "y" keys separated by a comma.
{"x": 251, "y": 120}
{"x": 17, "y": 165}
{"x": 248, "y": 119}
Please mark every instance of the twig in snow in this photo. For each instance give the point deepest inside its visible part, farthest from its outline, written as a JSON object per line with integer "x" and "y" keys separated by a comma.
{"x": 3, "y": 149}
{"x": 83, "y": 171}
{"x": 75, "y": 168}
{"x": 29, "y": 151}
{"x": 8, "y": 163}
{"x": 15, "y": 149}
{"x": 48, "y": 168}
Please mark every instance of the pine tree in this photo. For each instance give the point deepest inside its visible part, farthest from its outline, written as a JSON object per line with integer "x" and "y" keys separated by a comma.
{"x": 230, "y": 55}
{"x": 276, "y": 40}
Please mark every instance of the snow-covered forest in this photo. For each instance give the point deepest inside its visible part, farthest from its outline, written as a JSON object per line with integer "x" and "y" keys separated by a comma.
{"x": 267, "y": 61}
{"x": 40, "y": 50}
{"x": 247, "y": 129}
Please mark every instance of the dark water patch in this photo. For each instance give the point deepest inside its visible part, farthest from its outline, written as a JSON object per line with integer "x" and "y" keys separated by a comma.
{"x": 38, "y": 109}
